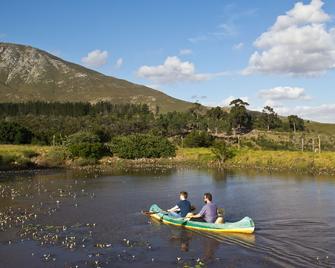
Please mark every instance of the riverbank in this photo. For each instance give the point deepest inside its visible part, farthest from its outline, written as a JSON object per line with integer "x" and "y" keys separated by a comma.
{"x": 16, "y": 157}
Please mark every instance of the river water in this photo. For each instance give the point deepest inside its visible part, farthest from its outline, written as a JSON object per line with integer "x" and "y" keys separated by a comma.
{"x": 93, "y": 219}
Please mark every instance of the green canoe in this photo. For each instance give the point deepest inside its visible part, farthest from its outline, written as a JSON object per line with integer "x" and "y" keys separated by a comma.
{"x": 246, "y": 225}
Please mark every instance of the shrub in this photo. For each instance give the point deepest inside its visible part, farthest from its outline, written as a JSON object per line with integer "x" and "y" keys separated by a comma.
{"x": 198, "y": 139}
{"x": 223, "y": 151}
{"x": 29, "y": 153}
{"x": 87, "y": 150}
{"x": 142, "y": 145}
{"x": 55, "y": 157}
{"x": 86, "y": 145}
{"x": 13, "y": 133}
{"x": 82, "y": 137}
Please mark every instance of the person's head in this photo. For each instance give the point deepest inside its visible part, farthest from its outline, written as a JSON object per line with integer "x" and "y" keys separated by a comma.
{"x": 183, "y": 195}
{"x": 208, "y": 197}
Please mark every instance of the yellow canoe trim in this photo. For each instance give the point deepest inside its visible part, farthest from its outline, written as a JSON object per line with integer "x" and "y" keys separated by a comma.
{"x": 237, "y": 230}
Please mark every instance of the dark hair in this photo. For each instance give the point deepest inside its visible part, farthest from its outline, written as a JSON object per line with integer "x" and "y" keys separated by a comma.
{"x": 184, "y": 194}
{"x": 208, "y": 196}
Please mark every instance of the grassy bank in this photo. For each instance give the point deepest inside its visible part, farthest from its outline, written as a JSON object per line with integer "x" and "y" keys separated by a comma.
{"x": 29, "y": 156}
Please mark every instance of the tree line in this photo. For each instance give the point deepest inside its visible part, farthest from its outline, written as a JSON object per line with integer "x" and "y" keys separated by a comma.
{"x": 51, "y": 122}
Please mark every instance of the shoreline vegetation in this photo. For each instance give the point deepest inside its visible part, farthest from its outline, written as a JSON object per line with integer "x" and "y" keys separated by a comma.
{"x": 105, "y": 135}
{"x": 20, "y": 157}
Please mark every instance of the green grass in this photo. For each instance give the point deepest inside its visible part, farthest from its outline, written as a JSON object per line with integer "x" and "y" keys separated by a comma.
{"x": 306, "y": 162}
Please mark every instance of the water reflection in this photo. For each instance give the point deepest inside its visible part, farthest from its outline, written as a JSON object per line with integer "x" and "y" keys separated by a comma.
{"x": 80, "y": 217}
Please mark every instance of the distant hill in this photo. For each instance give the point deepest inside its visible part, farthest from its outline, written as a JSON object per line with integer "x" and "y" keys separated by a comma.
{"x": 30, "y": 74}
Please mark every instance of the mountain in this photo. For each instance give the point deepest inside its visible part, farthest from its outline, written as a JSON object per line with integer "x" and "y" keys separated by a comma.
{"x": 30, "y": 74}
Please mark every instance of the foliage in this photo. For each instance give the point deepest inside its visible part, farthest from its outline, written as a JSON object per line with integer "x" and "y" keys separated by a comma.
{"x": 82, "y": 137}
{"x": 239, "y": 117}
{"x": 296, "y": 123}
{"x": 142, "y": 146}
{"x": 86, "y": 145}
{"x": 88, "y": 150}
{"x": 198, "y": 139}
{"x": 13, "y": 133}
{"x": 269, "y": 119}
{"x": 222, "y": 151}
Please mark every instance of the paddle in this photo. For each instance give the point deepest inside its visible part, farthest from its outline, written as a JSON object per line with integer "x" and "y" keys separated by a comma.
{"x": 148, "y": 213}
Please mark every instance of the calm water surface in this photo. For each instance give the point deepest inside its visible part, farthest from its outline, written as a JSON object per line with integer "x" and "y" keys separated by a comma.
{"x": 93, "y": 219}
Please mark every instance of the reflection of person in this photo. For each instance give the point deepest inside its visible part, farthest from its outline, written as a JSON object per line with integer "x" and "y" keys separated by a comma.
{"x": 184, "y": 237}
{"x": 208, "y": 213}
{"x": 210, "y": 247}
{"x": 182, "y": 208}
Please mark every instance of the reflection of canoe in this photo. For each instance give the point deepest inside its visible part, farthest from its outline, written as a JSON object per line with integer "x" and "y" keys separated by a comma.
{"x": 246, "y": 225}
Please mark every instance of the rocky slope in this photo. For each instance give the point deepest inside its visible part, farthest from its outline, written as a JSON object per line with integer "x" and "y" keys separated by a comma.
{"x": 28, "y": 74}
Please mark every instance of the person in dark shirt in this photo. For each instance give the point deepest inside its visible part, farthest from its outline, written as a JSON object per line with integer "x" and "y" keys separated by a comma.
{"x": 182, "y": 208}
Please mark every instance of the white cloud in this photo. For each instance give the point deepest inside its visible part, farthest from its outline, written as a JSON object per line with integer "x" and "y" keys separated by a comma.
{"x": 284, "y": 93}
{"x": 118, "y": 63}
{"x": 174, "y": 70}
{"x": 95, "y": 58}
{"x": 185, "y": 51}
{"x": 321, "y": 113}
{"x": 198, "y": 38}
{"x": 299, "y": 43}
{"x": 238, "y": 46}
{"x": 227, "y": 101}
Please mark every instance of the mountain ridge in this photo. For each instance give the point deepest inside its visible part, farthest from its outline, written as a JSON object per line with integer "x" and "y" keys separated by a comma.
{"x": 32, "y": 74}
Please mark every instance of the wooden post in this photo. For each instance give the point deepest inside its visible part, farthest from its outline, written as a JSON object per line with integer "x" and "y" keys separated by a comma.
{"x": 313, "y": 145}
{"x": 238, "y": 141}
{"x": 319, "y": 143}
{"x": 302, "y": 144}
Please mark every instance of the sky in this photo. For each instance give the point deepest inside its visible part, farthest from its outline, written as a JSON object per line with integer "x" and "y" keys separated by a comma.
{"x": 278, "y": 53}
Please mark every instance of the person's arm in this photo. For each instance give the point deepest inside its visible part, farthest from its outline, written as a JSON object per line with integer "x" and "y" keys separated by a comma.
{"x": 174, "y": 209}
{"x": 200, "y": 214}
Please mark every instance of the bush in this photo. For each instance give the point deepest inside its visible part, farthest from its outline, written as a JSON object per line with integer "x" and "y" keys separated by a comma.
{"x": 82, "y": 137}
{"x": 142, "y": 146}
{"x": 13, "y": 133}
{"x": 29, "y": 153}
{"x": 87, "y": 150}
{"x": 223, "y": 151}
{"x": 55, "y": 157}
{"x": 198, "y": 139}
{"x": 86, "y": 145}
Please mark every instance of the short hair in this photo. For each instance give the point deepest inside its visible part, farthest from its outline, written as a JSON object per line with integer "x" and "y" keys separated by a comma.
{"x": 208, "y": 196}
{"x": 184, "y": 194}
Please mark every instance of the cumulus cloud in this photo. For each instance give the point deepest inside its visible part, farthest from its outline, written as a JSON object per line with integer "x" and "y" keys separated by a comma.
{"x": 185, "y": 51}
{"x": 321, "y": 113}
{"x": 95, "y": 58}
{"x": 299, "y": 43}
{"x": 238, "y": 46}
{"x": 118, "y": 63}
{"x": 174, "y": 70}
{"x": 284, "y": 93}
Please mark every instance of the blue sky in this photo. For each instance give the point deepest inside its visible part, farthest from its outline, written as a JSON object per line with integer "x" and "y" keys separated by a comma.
{"x": 280, "y": 53}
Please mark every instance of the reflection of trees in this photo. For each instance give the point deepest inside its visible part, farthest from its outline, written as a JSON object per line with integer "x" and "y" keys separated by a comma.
{"x": 219, "y": 175}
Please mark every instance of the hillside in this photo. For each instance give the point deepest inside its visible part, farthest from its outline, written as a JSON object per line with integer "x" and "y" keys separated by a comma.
{"x": 28, "y": 74}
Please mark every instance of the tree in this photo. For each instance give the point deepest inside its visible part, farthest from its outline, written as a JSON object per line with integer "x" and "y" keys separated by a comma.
{"x": 198, "y": 139}
{"x": 239, "y": 117}
{"x": 296, "y": 123}
{"x": 14, "y": 133}
{"x": 222, "y": 151}
{"x": 269, "y": 118}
